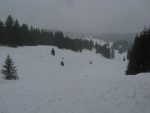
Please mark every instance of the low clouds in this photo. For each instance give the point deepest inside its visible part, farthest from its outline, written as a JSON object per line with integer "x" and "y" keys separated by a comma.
{"x": 94, "y": 16}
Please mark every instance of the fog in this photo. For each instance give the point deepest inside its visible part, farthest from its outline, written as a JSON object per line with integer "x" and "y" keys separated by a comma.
{"x": 88, "y": 16}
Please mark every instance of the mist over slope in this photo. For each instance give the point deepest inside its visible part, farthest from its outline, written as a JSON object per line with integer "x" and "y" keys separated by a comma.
{"x": 108, "y": 37}
{"x": 115, "y": 37}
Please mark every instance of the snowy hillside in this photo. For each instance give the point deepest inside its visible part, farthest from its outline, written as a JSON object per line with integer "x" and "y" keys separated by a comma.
{"x": 98, "y": 41}
{"x": 44, "y": 86}
{"x": 101, "y": 42}
{"x": 95, "y": 40}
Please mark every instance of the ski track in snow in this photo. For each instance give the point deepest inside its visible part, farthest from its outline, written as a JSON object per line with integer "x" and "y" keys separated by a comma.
{"x": 78, "y": 87}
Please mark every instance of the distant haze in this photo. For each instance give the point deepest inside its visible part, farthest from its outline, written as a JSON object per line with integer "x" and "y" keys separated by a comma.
{"x": 115, "y": 37}
{"x": 87, "y": 16}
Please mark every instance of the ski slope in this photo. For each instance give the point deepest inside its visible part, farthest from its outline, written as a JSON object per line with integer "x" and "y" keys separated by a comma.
{"x": 44, "y": 86}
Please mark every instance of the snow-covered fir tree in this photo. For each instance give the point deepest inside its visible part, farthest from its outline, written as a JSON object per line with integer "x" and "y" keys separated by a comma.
{"x": 9, "y": 71}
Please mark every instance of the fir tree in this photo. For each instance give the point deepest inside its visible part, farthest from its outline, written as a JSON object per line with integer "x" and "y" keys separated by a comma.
{"x": 9, "y": 36}
{"x": 1, "y": 31}
{"x": 62, "y": 63}
{"x": 9, "y": 70}
{"x": 9, "y": 22}
{"x": 128, "y": 54}
{"x": 90, "y": 62}
{"x": 53, "y": 52}
{"x": 124, "y": 59}
{"x": 17, "y": 34}
{"x": 112, "y": 54}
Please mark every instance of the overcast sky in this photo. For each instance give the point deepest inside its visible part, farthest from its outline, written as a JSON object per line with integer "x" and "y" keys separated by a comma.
{"x": 93, "y": 16}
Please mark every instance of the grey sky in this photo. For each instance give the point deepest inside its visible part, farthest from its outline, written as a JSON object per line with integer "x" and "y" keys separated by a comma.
{"x": 94, "y": 16}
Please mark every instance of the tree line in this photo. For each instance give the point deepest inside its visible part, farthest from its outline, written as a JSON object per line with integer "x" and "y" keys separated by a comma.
{"x": 13, "y": 34}
{"x": 139, "y": 54}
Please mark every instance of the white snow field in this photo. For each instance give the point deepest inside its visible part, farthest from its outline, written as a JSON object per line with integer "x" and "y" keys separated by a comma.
{"x": 44, "y": 86}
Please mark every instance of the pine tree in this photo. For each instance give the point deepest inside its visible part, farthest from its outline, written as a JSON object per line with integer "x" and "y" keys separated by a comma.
{"x": 17, "y": 34}
{"x": 124, "y": 59}
{"x": 62, "y": 63}
{"x": 128, "y": 54}
{"x": 112, "y": 54}
{"x": 9, "y": 31}
{"x": 9, "y": 22}
{"x": 9, "y": 70}
{"x": 53, "y": 52}
{"x": 1, "y": 31}
{"x": 90, "y": 62}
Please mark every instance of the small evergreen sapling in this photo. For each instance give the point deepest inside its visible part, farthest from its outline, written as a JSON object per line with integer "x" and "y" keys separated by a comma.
{"x": 9, "y": 70}
{"x": 124, "y": 59}
{"x": 62, "y": 63}
{"x": 90, "y": 62}
{"x": 53, "y": 52}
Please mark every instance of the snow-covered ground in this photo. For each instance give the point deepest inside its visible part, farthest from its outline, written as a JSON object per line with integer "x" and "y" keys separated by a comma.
{"x": 78, "y": 87}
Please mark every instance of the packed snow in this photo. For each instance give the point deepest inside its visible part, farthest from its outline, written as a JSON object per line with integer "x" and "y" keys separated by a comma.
{"x": 44, "y": 86}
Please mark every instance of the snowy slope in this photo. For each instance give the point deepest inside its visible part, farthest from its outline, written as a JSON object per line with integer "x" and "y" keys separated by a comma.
{"x": 78, "y": 87}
